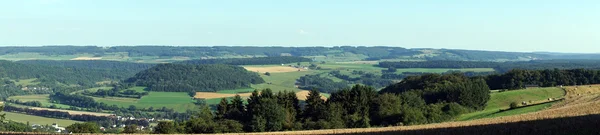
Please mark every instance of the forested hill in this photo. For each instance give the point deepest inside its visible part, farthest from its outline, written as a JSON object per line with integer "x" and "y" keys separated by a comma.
{"x": 250, "y": 61}
{"x": 49, "y": 75}
{"x": 366, "y": 53}
{"x": 501, "y": 67}
{"x": 91, "y": 64}
{"x": 192, "y": 78}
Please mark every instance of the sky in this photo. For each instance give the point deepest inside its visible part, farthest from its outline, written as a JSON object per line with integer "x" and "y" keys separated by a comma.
{"x": 498, "y": 25}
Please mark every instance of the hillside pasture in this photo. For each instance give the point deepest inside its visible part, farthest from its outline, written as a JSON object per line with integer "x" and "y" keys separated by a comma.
{"x": 502, "y": 100}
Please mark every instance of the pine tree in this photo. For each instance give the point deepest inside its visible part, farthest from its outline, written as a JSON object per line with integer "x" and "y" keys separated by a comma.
{"x": 222, "y": 108}
{"x": 314, "y": 106}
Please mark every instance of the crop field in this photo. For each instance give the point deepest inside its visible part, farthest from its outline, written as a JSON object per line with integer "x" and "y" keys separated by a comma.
{"x": 87, "y": 58}
{"x": 179, "y": 101}
{"x": 502, "y": 100}
{"x": 211, "y": 95}
{"x": 236, "y": 91}
{"x": 304, "y": 93}
{"x": 272, "y": 69}
{"x": 24, "y": 118}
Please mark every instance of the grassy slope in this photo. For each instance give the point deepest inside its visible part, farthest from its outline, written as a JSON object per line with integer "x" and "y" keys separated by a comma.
{"x": 180, "y": 101}
{"x": 24, "y": 118}
{"x": 502, "y": 100}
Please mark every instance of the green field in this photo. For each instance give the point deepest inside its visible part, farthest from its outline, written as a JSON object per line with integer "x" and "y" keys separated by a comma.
{"x": 92, "y": 89}
{"x": 283, "y": 81}
{"x": 26, "y": 82}
{"x": 24, "y": 118}
{"x": 236, "y": 91}
{"x": 502, "y": 100}
{"x": 44, "y": 99}
{"x": 138, "y": 89}
{"x": 179, "y": 101}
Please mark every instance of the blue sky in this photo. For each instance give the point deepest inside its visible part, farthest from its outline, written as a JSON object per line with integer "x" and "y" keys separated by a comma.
{"x": 502, "y": 25}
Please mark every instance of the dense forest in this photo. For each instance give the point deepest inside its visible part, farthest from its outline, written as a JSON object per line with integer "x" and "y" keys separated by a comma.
{"x": 194, "y": 78}
{"x": 250, "y": 61}
{"x": 114, "y": 66}
{"x": 373, "y": 53}
{"x": 51, "y": 76}
{"x": 501, "y": 67}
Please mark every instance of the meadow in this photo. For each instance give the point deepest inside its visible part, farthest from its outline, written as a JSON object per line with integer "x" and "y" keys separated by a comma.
{"x": 179, "y": 101}
{"x": 42, "y": 98}
{"x": 26, "y": 82}
{"x": 502, "y": 100}
{"x": 24, "y": 118}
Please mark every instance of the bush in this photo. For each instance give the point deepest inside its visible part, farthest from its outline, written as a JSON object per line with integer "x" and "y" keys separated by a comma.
{"x": 514, "y": 105}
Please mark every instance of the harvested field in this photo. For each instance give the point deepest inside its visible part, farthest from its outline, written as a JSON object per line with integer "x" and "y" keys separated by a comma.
{"x": 87, "y": 58}
{"x": 304, "y": 93}
{"x": 273, "y": 69}
{"x": 211, "y": 95}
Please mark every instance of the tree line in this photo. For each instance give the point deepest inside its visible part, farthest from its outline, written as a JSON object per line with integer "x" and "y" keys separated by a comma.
{"x": 194, "y": 78}
{"x": 519, "y": 79}
{"x": 250, "y": 61}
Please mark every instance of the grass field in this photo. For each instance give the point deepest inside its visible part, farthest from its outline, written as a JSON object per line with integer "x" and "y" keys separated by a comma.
{"x": 43, "y": 98}
{"x": 283, "y": 81}
{"x": 26, "y": 82}
{"x": 91, "y": 89}
{"x": 138, "y": 89}
{"x": 179, "y": 101}
{"x": 236, "y": 91}
{"x": 24, "y": 118}
{"x": 272, "y": 69}
{"x": 502, "y": 100}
